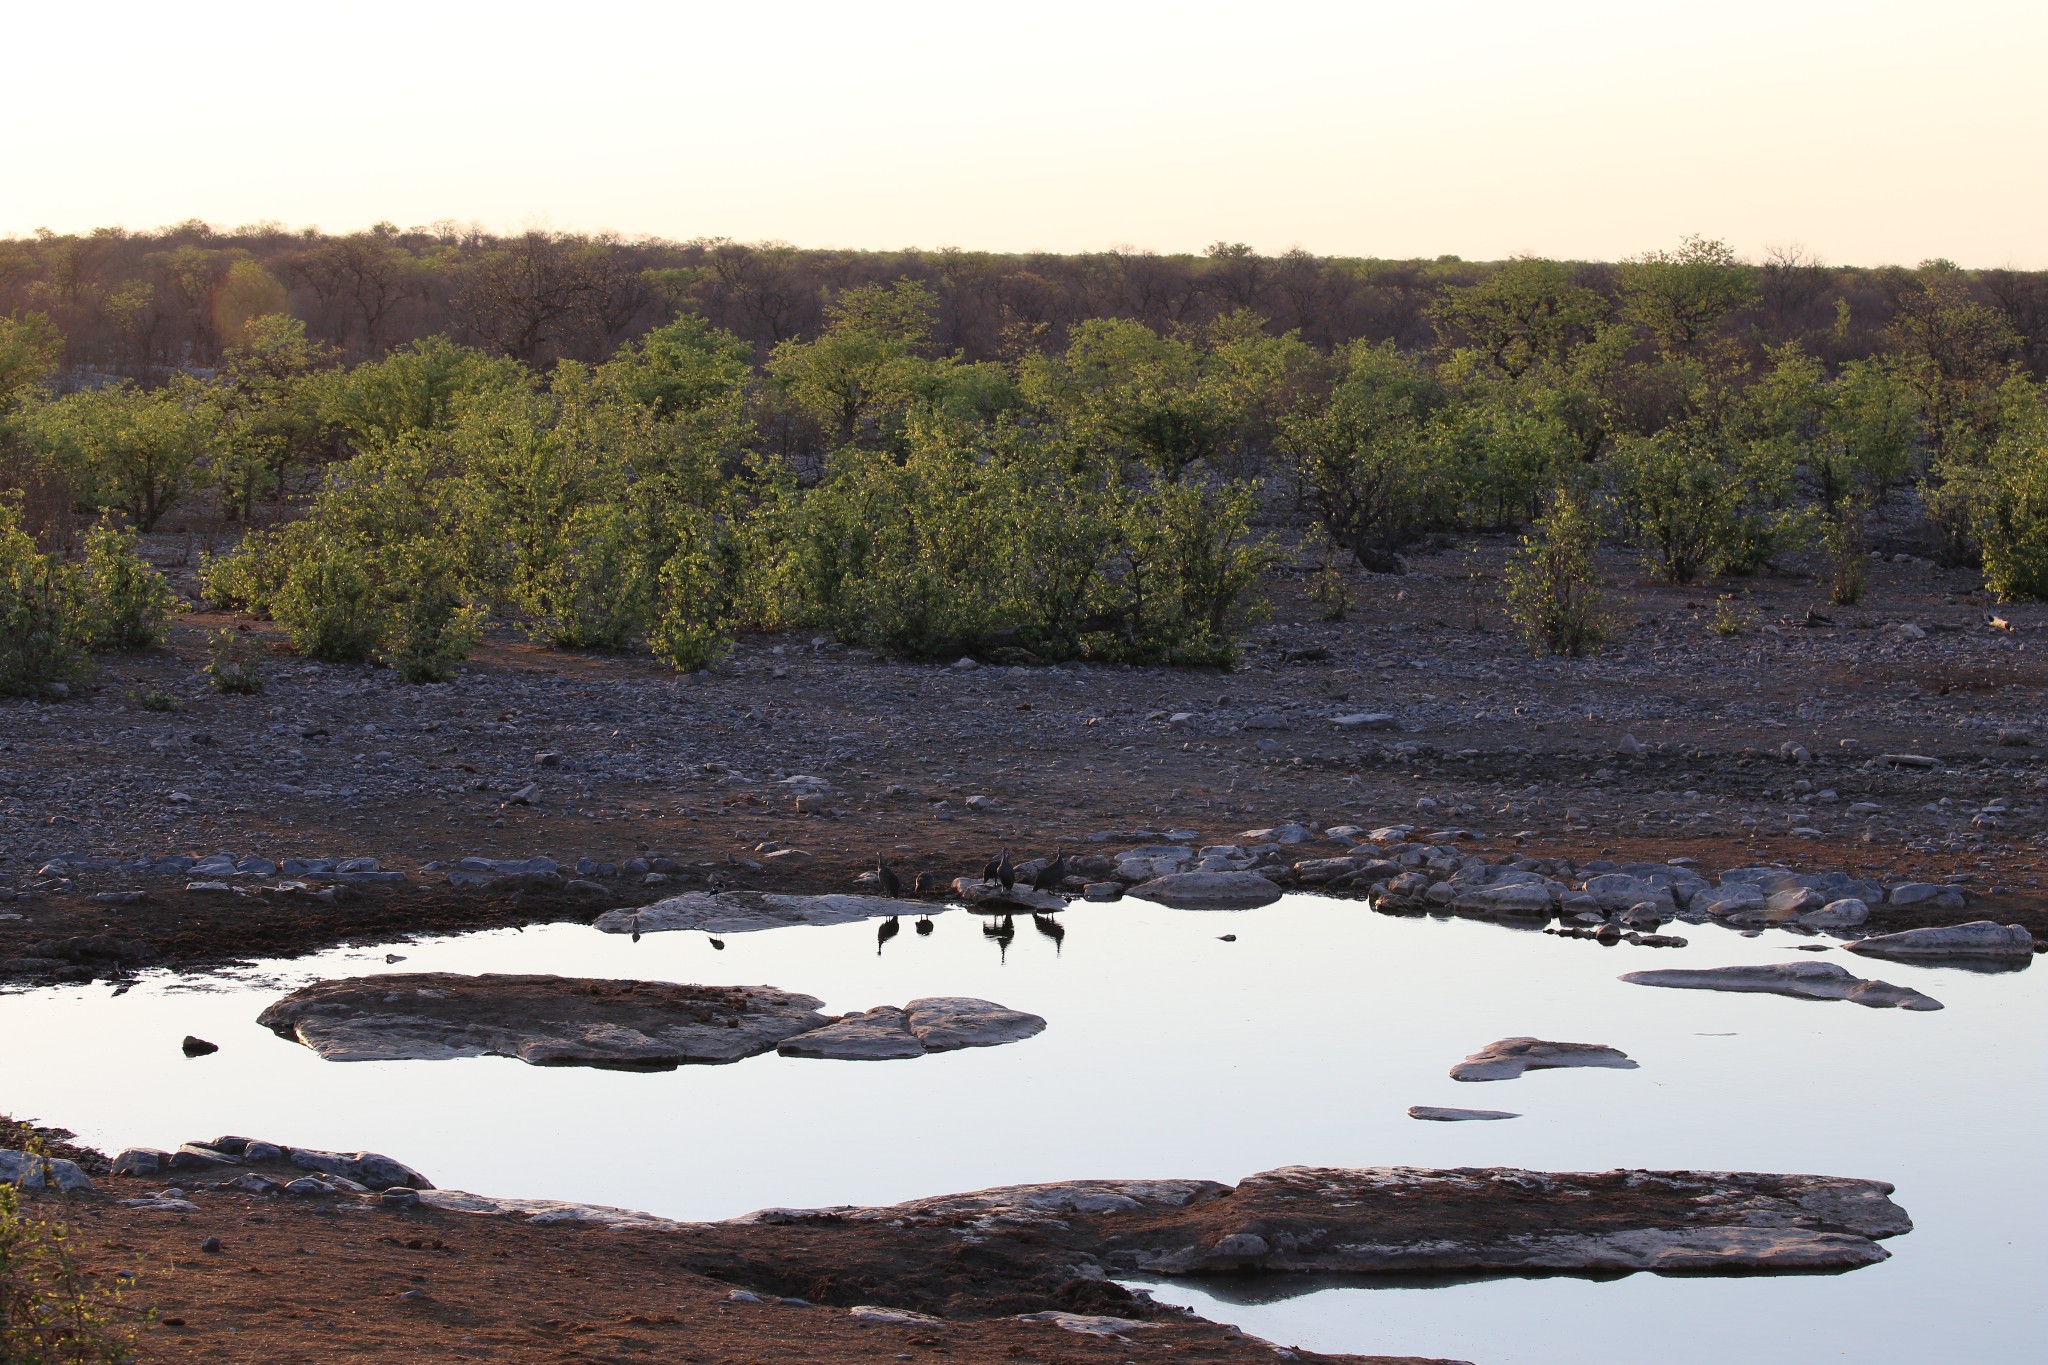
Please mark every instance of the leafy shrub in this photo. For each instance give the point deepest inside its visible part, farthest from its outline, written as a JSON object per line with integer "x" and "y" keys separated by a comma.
{"x": 1698, "y": 502}
{"x": 1554, "y": 585}
{"x": 51, "y": 1312}
{"x": 327, "y": 598}
{"x": 156, "y": 699}
{"x": 1729, "y": 619}
{"x": 233, "y": 664}
{"x": 430, "y": 625}
{"x": 123, "y": 602}
{"x": 2008, "y": 507}
{"x": 38, "y": 649}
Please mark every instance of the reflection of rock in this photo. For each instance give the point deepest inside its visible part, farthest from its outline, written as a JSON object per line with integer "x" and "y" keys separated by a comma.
{"x": 1510, "y": 1057}
{"x": 1439, "y": 1114}
{"x": 624, "y": 1025}
{"x": 975, "y": 893}
{"x": 1209, "y": 890}
{"x": 1804, "y": 980}
{"x": 1980, "y": 938}
{"x": 738, "y": 912}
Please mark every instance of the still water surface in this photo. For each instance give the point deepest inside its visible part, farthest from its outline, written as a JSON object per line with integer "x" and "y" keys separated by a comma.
{"x": 1171, "y": 1053}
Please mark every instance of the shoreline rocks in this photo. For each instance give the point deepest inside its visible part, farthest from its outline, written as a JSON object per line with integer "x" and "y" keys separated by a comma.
{"x": 742, "y": 912}
{"x": 1209, "y": 890}
{"x": 1800, "y": 980}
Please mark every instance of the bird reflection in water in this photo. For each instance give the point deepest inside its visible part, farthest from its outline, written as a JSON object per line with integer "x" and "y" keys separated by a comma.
{"x": 890, "y": 928}
{"x": 1003, "y": 931}
{"x": 1052, "y": 929}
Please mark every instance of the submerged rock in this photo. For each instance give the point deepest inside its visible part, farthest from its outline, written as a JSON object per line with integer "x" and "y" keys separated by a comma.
{"x": 974, "y": 892}
{"x": 1209, "y": 890}
{"x": 1439, "y": 1114}
{"x": 1980, "y": 938}
{"x": 1802, "y": 980}
{"x": 621, "y": 1025}
{"x": 1510, "y": 1057}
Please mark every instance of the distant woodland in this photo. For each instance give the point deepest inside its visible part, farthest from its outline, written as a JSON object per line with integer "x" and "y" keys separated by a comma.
{"x": 649, "y": 445}
{"x": 139, "y": 304}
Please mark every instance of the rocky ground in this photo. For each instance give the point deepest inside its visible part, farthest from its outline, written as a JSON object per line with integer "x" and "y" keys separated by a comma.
{"x": 1894, "y": 739}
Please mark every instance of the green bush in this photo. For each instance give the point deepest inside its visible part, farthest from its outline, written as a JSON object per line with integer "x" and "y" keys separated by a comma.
{"x": 38, "y": 604}
{"x": 2008, "y": 511}
{"x": 1698, "y": 502}
{"x": 51, "y": 1311}
{"x": 1553, "y": 585}
{"x": 123, "y": 602}
{"x": 327, "y": 599}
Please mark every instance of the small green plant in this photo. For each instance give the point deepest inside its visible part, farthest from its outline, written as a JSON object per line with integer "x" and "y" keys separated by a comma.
{"x": 1848, "y": 564}
{"x": 1327, "y": 590}
{"x": 1554, "y": 584}
{"x": 51, "y": 1311}
{"x": 123, "y": 603}
{"x": 1729, "y": 618}
{"x": 156, "y": 699}
{"x": 234, "y": 665}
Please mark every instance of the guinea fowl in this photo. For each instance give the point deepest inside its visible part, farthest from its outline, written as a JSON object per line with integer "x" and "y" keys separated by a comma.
{"x": 890, "y": 928}
{"x": 1006, "y": 871}
{"x": 892, "y": 885}
{"x": 1049, "y": 877}
{"x": 927, "y": 884}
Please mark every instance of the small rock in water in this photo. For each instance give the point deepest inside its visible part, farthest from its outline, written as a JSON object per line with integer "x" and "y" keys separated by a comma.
{"x": 198, "y": 1047}
{"x": 1227, "y": 938}
{"x": 1439, "y": 1114}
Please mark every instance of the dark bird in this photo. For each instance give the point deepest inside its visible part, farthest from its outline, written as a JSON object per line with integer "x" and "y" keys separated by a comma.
{"x": 636, "y": 926}
{"x": 990, "y": 868}
{"x": 890, "y": 928}
{"x": 1052, "y": 929}
{"x": 892, "y": 885}
{"x": 719, "y": 944}
{"x": 717, "y": 882}
{"x": 927, "y": 884}
{"x": 1006, "y": 871}
{"x": 1049, "y": 877}
{"x": 924, "y": 924}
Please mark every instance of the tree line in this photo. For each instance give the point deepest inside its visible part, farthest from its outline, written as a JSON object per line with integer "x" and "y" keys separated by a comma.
{"x": 1109, "y": 495}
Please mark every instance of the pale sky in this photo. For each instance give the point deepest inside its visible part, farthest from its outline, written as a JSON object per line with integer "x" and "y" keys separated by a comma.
{"x": 1867, "y": 132}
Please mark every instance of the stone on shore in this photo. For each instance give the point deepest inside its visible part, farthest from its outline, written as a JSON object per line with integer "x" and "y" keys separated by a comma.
{"x": 1209, "y": 890}
{"x": 1801, "y": 980}
{"x": 1510, "y": 1057}
{"x": 1980, "y": 938}
{"x": 32, "y": 1172}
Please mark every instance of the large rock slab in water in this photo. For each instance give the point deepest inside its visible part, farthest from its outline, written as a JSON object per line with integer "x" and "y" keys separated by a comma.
{"x": 1404, "y": 1220}
{"x": 1802, "y": 980}
{"x": 740, "y": 912}
{"x": 1437, "y": 1113}
{"x": 881, "y": 1034}
{"x": 1209, "y": 890}
{"x": 977, "y": 894}
{"x": 1980, "y": 938}
{"x": 543, "y": 1020}
{"x": 1377, "y": 1220}
{"x": 1510, "y": 1057}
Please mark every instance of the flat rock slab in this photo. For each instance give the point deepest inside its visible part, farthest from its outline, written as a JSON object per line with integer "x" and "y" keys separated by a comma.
{"x": 1209, "y": 890}
{"x": 1510, "y": 1057}
{"x": 1980, "y": 938}
{"x": 1801, "y": 980}
{"x": 1301, "y": 1220}
{"x": 1438, "y": 1114}
{"x": 620, "y": 1025}
{"x": 543, "y": 1020}
{"x": 935, "y": 1024}
{"x": 741, "y": 912}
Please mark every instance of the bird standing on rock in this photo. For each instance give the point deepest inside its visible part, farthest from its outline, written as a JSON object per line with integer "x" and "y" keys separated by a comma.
{"x": 927, "y": 884}
{"x": 1006, "y": 871}
{"x": 892, "y": 885}
{"x": 1049, "y": 877}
